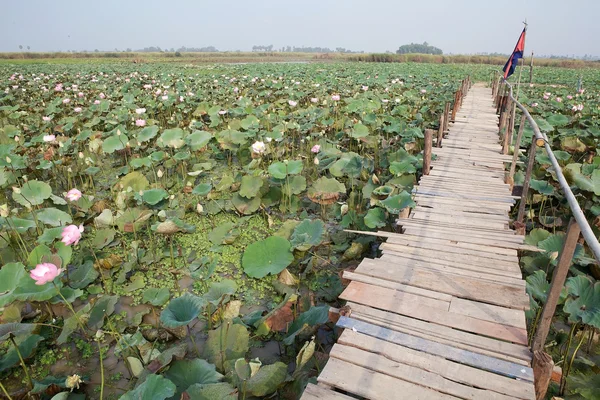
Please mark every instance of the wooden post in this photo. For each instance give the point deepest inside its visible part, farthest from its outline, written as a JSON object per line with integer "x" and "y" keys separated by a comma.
{"x": 446, "y": 116}
{"x": 456, "y": 105}
{"x": 440, "y": 133}
{"x": 531, "y": 69}
{"x": 521, "y": 214}
{"x": 513, "y": 166}
{"x": 427, "y": 151}
{"x": 510, "y": 122}
{"x": 542, "y": 373}
{"x": 558, "y": 282}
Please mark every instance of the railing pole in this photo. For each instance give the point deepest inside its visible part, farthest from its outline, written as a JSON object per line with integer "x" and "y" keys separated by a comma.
{"x": 440, "y": 133}
{"x": 558, "y": 282}
{"x": 427, "y": 151}
{"x": 520, "y": 215}
{"x": 513, "y": 166}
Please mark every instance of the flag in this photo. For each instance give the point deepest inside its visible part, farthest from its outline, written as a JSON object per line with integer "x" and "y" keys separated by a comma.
{"x": 513, "y": 60}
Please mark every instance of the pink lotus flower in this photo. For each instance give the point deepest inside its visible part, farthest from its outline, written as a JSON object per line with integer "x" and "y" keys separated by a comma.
{"x": 559, "y": 99}
{"x": 80, "y": 94}
{"x": 423, "y": 91}
{"x": 58, "y": 88}
{"x": 49, "y": 138}
{"x": 574, "y": 108}
{"x": 140, "y": 122}
{"x": 569, "y": 97}
{"x": 292, "y": 103}
{"x": 534, "y": 104}
{"x": 579, "y": 107}
{"x": 314, "y": 100}
{"x": 547, "y": 94}
{"x": 147, "y": 86}
{"x": 335, "y": 97}
{"x": 46, "y": 119}
{"x": 77, "y": 109}
{"x": 44, "y": 273}
{"x": 96, "y": 101}
{"x": 581, "y": 91}
{"x": 365, "y": 88}
{"x": 158, "y": 91}
{"x": 140, "y": 111}
{"x": 222, "y": 112}
{"x": 235, "y": 90}
{"x": 315, "y": 148}
{"x": 66, "y": 101}
{"x": 165, "y": 97}
{"x": 73, "y": 195}
{"x": 102, "y": 95}
{"x": 258, "y": 147}
{"x": 546, "y": 97}
{"x": 71, "y": 234}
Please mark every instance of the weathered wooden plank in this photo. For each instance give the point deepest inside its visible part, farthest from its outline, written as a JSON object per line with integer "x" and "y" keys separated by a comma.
{"x": 370, "y": 295}
{"x": 491, "y": 364}
{"x": 491, "y": 249}
{"x": 372, "y": 385}
{"x": 460, "y": 286}
{"x": 316, "y": 392}
{"x": 446, "y": 228}
{"x": 442, "y": 193}
{"x": 488, "y": 312}
{"x": 352, "y": 276}
{"x": 466, "y": 221}
{"x": 407, "y": 372}
{"x": 452, "y": 212}
{"x": 431, "y": 330}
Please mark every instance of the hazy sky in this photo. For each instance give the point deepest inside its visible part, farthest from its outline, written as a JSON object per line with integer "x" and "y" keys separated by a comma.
{"x": 456, "y": 26}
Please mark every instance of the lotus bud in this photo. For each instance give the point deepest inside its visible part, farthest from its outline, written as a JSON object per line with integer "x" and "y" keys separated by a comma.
{"x": 81, "y": 155}
{"x": 199, "y": 208}
{"x": 69, "y": 170}
{"x": 316, "y": 161}
{"x": 8, "y": 160}
{"x": 160, "y": 173}
{"x": 375, "y": 179}
{"x": 118, "y": 132}
{"x": 4, "y": 212}
{"x": 25, "y": 178}
{"x": 141, "y": 192}
{"x": 17, "y": 139}
{"x": 61, "y": 145}
{"x": 344, "y": 209}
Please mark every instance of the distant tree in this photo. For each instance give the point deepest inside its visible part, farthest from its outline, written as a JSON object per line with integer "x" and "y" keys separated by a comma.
{"x": 28, "y": 48}
{"x": 424, "y": 48}
{"x": 129, "y": 50}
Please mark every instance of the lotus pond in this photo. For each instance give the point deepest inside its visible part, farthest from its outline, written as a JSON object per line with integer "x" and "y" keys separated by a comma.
{"x": 175, "y": 230}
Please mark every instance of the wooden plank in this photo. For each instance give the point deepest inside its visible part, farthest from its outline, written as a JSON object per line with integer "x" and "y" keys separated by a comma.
{"x": 466, "y": 357}
{"x": 477, "y": 343}
{"x": 449, "y": 369}
{"x": 490, "y": 250}
{"x": 372, "y": 385}
{"x": 488, "y": 312}
{"x": 456, "y": 195}
{"x": 371, "y": 296}
{"x": 460, "y": 286}
{"x": 409, "y": 373}
{"x": 413, "y": 222}
{"x": 462, "y": 238}
{"x": 352, "y": 276}
{"x": 316, "y": 392}
{"x": 446, "y": 228}
{"x": 452, "y": 212}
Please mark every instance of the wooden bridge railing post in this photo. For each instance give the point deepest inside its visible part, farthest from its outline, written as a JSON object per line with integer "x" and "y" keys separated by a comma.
{"x": 446, "y": 116}
{"x": 509, "y": 122}
{"x": 513, "y": 165}
{"x": 440, "y": 133}
{"x": 558, "y": 282}
{"x": 427, "y": 151}
{"x": 520, "y": 227}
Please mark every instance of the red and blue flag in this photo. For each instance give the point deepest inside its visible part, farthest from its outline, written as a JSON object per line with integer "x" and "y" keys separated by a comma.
{"x": 513, "y": 60}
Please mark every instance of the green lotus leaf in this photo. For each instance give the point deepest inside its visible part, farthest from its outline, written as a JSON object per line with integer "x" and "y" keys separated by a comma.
{"x": 103, "y": 237}
{"x": 269, "y": 256}
{"x": 134, "y": 180}
{"x": 185, "y": 373}
{"x": 202, "y": 189}
{"x": 198, "y": 140}
{"x": 181, "y": 310}
{"x": 156, "y": 296}
{"x": 103, "y": 307}
{"x": 246, "y": 206}
{"x": 557, "y": 120}
{"x": 326, "y": 190}
{"x": 219, "y": 291}
{"x": 359, "y": 131}
{"x": 280, "y": 170}
{"x": 553, "y": 244}
{"x": 250, "y": 186}
{"x": 114, "y": 143}
{"x": 543, "y": 187}
{"x": 32, "y": 193}
{"x": 572, "y": 144}
{"x": 148, "y": 133}
{"x": 155, "y": 387}
{"x": 267, "y": 379}
{"x": 54, "y": 217}
{"x": 213, "y": 391}
{"x": 536, "y": 235}
{"x": 294, "y": 185}
{"x": 402, "y": 167}
{"x": 583, "y": 302}
{"x": 314, "y": 316}
{"x": 376, "y": 218}
{"x": 15, "y": 329}
{"x": 26, "y": 347}
{"x": 395, "y": 204}
{"x": 154, "y": 196}
{"x": 171, "y": 138}
{"x": 307, "y": 234}
{"x": 538, "y": 287}
{"x": 21, "y": 225}
{"x": 226, "y": 343}
{"x": 10, "y": 276}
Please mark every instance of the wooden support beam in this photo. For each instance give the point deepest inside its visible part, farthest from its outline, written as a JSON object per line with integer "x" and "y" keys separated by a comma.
{"x": 511, "y": 175}
{"x": 446, "y": 116}
{"x": 520, "y": 227}
{"x": 558, "y": 282}
{"x": 427, "y": 151}
{"x": 542, "y": 372}
{"x": 440, "y": 132}
{"x": 509, "y": 126}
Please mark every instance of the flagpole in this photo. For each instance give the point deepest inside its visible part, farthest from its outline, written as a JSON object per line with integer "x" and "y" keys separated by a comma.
{"x": 514, "y": 110}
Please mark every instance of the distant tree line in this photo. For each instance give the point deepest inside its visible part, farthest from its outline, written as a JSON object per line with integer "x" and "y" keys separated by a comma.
{"x": 415, "y": 48}
{"x": 302, "y": 49}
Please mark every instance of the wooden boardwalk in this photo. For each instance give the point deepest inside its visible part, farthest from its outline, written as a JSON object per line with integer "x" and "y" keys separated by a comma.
{"x": 441, "y": 314}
